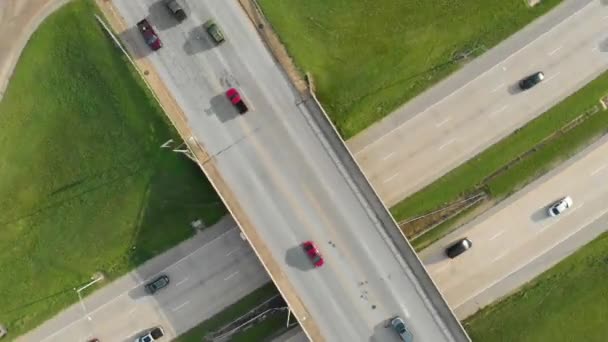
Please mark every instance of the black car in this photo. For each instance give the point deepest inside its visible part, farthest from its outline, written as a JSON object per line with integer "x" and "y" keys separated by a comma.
{"x": 157, "y": 284}
{"x": 176, "y": 9}
{"x": 458, "y": 248}
{"x": 531, "y": 81}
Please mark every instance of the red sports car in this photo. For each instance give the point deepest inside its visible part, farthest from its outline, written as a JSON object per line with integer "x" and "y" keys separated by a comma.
{"x": 313, "y": 253}
{"x": 235, "y": 98}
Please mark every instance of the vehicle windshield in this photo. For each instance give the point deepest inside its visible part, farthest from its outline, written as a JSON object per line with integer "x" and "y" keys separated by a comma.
{"x": 152, "y": 39}
{"x": 316, "y": 259}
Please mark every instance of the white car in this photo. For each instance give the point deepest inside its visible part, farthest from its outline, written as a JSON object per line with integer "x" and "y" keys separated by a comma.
{"x": 153, "y": 335}
{"x": 560, "y": 206}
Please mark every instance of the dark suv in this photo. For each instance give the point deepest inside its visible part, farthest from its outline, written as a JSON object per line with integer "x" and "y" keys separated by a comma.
{"x": 157, "y": 284}
{"x": 176, "y": 9}
{"x": 532, "y": 80}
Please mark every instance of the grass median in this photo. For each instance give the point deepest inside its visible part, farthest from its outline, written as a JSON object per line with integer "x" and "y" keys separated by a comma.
{"x": 84, "y": 184}
{"x": 474, "y": 174}
{"x": 369, "y": 57}
{"x": 566, "y": 303}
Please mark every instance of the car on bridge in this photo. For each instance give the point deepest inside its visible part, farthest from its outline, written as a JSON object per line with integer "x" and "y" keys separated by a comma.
{"x": 214, "y": 31}
{"x": 313, "y": 253}
{"x": 176, "y": 10}
{"x": 150, "y": 36}
{"x": 401, "y": 329}
{"x": 235, "y": 98}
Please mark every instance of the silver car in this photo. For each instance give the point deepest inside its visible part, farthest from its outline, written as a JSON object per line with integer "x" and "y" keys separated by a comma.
{"x": 399, "y": 326}
{"x": 560, "y": 206}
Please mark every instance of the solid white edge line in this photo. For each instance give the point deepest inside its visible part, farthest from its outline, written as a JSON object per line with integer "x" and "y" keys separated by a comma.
{"x": 529, "y": 261}
{"x": 474, "y": 79}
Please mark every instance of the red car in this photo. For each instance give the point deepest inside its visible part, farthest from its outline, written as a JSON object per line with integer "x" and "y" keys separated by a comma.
{"x": 235, "y": 98}
{"x": 149, "y": 35}
{"x": 313, "y": 253}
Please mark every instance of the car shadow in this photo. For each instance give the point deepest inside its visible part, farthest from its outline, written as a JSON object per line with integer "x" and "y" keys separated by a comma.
{"x": 197, "y": 41}
{"x": 603, "y": 44}
{"x": 514, "y": 89}
{"x": 134, "y": 43}
{"x": 295, "y": 257}
{"x": 161, "y": 17}
{"x": 383, "y": 331}
{"x": 540, "y": 214}
{"x": 222, "y": 108}
{"x": 435, "y": 257}
{"x": 138, "y": 292}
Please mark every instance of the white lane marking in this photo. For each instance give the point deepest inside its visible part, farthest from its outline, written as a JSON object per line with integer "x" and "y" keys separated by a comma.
{"x": 552, "y": 77}
{"x": 500, "y": 256}
{"x": 499, "y": 110}
{"x": 496, "y": 235}
{"x": 441, "y": 268}
{"x": 594, "y": 49}
{"x": 529, "y": 261}
{"x": 554, "y": 51}
{"x": 504, "y": 68}
{"x": 232, "y": 251}
{"x": 180, "y": 306}
{"x": 562, "y": 24}
{"x": 391, "y": 177}
{"x": 498, "y": 87}
{"x": 443, "y": 122}
{"x": 182, "y": 281}
{"x": 132, "y": 311}
{"x": 598, "y": 170}
{"x": 232, "y": 275}
{"x": 388, "y": 156}
{"x": 230, "y": 230}
{"x": 446, "y": 144}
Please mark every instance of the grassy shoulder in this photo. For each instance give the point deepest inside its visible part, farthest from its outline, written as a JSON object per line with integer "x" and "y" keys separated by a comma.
{"x": 566, "y": 303}
{"x": 233, "y": 312}
{"x": 474, "y": 174}
{"x": 84, "y": 184}
{"x": 368, "y": 58}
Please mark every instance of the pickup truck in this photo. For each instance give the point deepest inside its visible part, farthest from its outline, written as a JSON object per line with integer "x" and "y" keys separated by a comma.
{"x": 214, "y": 31}
{"x": 152, "y": 335}
{"x": 149, "y": 35}
{"x": 235, "y": 98}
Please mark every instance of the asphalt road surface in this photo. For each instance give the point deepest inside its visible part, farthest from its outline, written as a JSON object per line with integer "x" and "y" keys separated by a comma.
{"x": 433, "y": 134}
{"x": 208, "y": 272}
{"x": 285, "y": 179}
{"x": 517, "y": 240}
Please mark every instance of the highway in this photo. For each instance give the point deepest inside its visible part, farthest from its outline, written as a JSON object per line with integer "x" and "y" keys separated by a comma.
{"x": 208, "y": 272}
{"x": 291, "y": 185}
{"x": 481, "y": 104}
{"x": 517, "y": 240}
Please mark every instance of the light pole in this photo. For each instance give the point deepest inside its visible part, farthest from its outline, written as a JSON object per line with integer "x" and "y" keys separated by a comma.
{"x": 96, "y": 277}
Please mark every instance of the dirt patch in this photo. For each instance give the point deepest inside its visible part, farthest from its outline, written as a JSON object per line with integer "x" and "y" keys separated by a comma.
{"x": 417, "y": 226}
